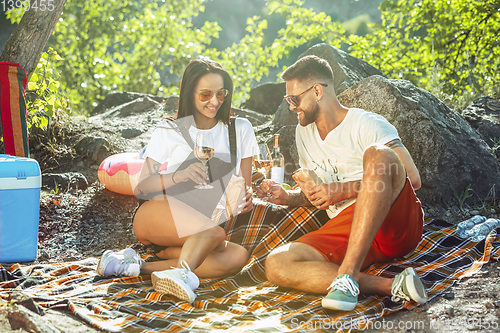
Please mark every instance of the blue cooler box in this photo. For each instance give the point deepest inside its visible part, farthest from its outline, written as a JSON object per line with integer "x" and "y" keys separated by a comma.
{"x": 20, "y": 183}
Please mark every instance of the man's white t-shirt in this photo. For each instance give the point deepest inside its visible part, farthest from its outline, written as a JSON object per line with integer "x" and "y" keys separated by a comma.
{"x": 339, "y": 158}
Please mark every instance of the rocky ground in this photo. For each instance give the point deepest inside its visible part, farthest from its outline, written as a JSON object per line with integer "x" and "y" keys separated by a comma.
{"x": 82, "y": 219}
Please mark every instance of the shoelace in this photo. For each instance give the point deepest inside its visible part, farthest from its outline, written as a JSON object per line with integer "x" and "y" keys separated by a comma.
{"x": 345, "y": 285}
{"x": 184, "y": 270}
{"x": 398, "y": 293}
{"x": 123, "y": 263}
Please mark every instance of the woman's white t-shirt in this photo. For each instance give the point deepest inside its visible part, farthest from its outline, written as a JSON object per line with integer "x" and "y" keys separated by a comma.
{"x": 339, "y": 157}
{"x": 168, "y": 145}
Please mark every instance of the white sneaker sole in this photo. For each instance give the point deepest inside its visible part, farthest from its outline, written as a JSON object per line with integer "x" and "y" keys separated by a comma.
{"x": 416, "y": 289}
{"x": 337, "y": 305}
{"x": 172, "y": 286}
{"x": 103, "y": 261}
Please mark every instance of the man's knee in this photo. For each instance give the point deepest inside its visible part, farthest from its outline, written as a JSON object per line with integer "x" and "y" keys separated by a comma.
{"x": 275, "y": 264}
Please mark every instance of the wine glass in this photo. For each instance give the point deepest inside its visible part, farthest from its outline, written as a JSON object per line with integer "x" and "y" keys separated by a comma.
{"x": 263, "y": 162}
{"x": 204, "y": 151}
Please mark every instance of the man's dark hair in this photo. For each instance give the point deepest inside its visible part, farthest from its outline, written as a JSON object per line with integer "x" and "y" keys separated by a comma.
{"x": 309, "y": 69}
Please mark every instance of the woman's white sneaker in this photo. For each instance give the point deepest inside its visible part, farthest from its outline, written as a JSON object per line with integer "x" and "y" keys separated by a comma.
{"x": 178, "y": 282}
{"x": 126, "y": 262}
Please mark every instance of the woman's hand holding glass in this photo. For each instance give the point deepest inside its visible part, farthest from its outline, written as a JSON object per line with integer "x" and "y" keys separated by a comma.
{"x": 204, "y": 151}
{"x": 197, "y": 172}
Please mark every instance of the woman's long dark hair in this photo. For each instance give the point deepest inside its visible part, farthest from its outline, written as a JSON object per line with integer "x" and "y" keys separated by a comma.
{"x": 192, "y": 74}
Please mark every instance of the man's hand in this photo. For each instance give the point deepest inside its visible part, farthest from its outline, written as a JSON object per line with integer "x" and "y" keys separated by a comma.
{"x": 325, "y": 195}
{"x": 272, "y": 192}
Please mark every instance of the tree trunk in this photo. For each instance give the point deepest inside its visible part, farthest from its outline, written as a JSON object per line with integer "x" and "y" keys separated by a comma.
{"x": 31, "y": 36}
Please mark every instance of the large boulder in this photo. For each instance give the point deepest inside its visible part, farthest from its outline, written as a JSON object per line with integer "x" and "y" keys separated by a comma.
{"x": 347, "y": 71}
{"x": 116, "y": 98}
{"x": 255, "y": 118}
{"x": 139, "y": 105}
{"x": 484, "y": 116}
{"x": 265, "y": 98}
{"x": 447, "y": 151}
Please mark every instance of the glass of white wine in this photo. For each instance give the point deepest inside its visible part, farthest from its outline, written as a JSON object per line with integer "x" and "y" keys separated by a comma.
{"x": 263, "y": 162}
{"x": 204, "y": 151}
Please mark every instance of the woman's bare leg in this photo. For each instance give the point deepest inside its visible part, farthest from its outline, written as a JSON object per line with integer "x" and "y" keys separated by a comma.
{"x": 158, "y": 222}
{"x": 226, "y": 259}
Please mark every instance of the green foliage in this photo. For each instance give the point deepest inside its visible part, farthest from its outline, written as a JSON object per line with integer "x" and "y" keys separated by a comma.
{"x": 448, "y": 44}
{"x": 15, "y": 15}
{"x": 447, "y": 47}
{"x": 112, "y": 45}
{"x": 464, "y": 195}
{"x": 43, "y": 93}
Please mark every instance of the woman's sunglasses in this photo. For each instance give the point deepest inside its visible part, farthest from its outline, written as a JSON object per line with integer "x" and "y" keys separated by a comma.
{"x": 207, "y": 95}
{"x": 294, "y": 99}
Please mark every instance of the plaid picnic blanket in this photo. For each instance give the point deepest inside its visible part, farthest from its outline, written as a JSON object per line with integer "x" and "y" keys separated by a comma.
{"x": 246, "y": 301}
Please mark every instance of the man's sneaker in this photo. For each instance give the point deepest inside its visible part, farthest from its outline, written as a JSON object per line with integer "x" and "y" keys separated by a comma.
{"x": 122, "y": 263}
{"x": 343, "y": 294}
{"x": 407, "y": 286}
{"x": 178, "y": 282}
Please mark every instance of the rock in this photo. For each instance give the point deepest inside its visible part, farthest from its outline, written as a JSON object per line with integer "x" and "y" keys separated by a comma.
{"x": 474, "y": 212}
{"x": 138, "y": 105}
{"x": 116, "y": 98}
{"x": 64, "y": 181}
{"x": 284, "y": 116}
{"x": 484, "y": 116}
{"x": 26, "y": 301}
{"x": 455, "y": 210}
{"x": 22, "y": 318}
{"x": 265, "y": 98}
{"x": 129, "y": 133}
{"x": 94, "y": 148}
{"x": 489, "y": 304}
{"x": 255, "y": 118}
{"x": 449, "y": 296}
{"x": 445, "y": 148}
{"x": 347, "y": 70}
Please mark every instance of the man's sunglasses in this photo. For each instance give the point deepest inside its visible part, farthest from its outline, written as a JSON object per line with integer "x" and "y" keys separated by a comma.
{"x": 294, "y": 99}
{"x": 207, "y": 95}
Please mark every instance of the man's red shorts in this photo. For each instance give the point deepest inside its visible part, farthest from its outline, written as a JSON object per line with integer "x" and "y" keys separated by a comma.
{"x": 398, "y": 236}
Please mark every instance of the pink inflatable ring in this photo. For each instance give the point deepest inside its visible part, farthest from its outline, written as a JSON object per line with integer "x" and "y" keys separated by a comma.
{"x": 120, "y": 173}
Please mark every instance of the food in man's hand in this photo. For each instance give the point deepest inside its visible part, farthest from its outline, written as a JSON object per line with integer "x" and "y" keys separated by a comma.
{"x": 303, "y": 177}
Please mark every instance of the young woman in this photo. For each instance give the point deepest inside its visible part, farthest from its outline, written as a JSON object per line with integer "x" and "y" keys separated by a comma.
{"x": 177, "y": 216}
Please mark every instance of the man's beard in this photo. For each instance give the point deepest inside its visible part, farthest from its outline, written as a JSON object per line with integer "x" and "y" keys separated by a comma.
{"x": 310, "y": 116}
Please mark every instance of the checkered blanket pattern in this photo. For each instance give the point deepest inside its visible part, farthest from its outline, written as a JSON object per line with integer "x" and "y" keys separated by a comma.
{"x": 246, "y": 301}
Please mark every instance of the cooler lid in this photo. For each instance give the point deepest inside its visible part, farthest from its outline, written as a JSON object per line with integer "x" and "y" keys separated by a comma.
{"x": 18, "y": 167}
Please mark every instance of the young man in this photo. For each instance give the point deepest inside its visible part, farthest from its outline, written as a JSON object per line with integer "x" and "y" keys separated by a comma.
{"x": 368, "y": 191}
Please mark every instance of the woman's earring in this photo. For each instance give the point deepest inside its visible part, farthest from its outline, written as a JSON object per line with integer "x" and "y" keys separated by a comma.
{"x": 317, "y": 101}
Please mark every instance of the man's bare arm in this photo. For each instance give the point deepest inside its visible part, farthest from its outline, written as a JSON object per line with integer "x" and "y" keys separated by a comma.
{"x": 405, "y": 157}
{"x": 297, "y": 198}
